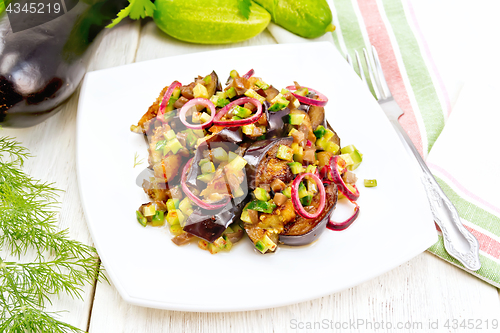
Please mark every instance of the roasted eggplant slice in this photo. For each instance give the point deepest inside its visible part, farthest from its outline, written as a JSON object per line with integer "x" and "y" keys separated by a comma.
{"x": 316, "y": 115}
{"x": 211, "y": 84}
{"x": 263, "y": 165}
{"x": 209, "y": 227}
{"x": 336, "y": 138}
{"x": 276, "y": 122}
{"x": 305, "y": 231}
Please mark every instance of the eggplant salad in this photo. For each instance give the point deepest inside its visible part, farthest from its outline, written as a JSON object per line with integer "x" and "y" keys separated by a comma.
{"x": 244, "y": 159}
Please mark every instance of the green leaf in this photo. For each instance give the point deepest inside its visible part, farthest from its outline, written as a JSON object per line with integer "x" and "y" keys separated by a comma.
{"x": 135, "y": 10}
{"x": 244, "y": 8}
{"x": 141, "y": 9}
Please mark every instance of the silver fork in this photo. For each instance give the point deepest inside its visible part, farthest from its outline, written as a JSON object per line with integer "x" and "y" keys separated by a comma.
{"x": 458, "y": 241}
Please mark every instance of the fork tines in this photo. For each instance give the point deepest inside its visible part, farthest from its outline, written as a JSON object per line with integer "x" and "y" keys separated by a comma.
{"x": 377, "y": 79}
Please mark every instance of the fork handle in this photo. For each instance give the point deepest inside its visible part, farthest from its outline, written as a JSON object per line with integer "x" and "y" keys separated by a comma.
{"x": 445, "y": 214}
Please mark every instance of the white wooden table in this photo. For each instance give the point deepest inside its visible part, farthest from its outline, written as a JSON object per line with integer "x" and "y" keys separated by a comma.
{"x": 416, "y": 294}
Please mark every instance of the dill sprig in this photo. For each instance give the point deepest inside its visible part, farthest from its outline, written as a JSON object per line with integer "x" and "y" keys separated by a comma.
{"x": 28, "y": 222}
{"x": 137, "y": 160}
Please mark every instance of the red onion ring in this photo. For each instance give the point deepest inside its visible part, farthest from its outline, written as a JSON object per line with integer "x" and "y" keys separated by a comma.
{"x": 249, "y": 74}
{"x": 166, "y": 98}
{"x": 337, "y": 179}
{"x": 193, "y": 197}
{"x": 332, "y": 225}
{"x": 233, "y": 123}
{"x": 197, "y": 101}
{"x": 296, "y": 201}
{"x": 306, "y": 100}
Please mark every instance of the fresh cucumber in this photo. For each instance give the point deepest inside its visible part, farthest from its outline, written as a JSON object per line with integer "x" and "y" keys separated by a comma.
{"x": 209, "y": 21}
{"x": 306, "y": 18}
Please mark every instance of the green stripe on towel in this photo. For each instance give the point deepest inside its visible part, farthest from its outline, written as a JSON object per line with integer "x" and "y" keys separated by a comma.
{"x": 416, "y": 69}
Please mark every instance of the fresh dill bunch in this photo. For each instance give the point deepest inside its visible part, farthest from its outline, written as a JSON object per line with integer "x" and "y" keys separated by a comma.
{"x": 28, "y": 221}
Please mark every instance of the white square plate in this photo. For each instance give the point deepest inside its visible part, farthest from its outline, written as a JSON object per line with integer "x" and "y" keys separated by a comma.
{"x": 394, "y": 225}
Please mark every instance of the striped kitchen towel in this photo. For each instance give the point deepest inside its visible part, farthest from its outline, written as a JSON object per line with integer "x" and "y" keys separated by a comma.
{"x": 472, "y": 130}
{"x": 392, "y": 27}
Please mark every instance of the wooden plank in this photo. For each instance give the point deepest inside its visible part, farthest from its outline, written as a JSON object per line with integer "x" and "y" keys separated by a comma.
{"x": 53, "y": 144}
{"x": 420, "y": 292}
{"x": 156, "y": 44}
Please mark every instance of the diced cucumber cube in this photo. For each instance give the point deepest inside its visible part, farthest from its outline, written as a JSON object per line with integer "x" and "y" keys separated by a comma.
{"x": 174, "y": 145}
{"x": 245, "y": 217}
{"x": 203, "y": 161}
{"x": 261, "y": 246}
{"x": 261, "y": 84}
{"x": 238, "y": 163}
{"x": 296, "y": 167}
{"x": 206, "y": 177}
{"x": 172, "y": 204}
{"x": 172, "y": 217}
{"x": 253, "y": 94}
{"x": 302, "y": 191}
{"x": 285, "y": 153}
{"x": 288, "y": 192}
{"x": 141, "y": 219}
{"x": 149, "y": 210}
{"x": 311, "y": 168}
{"x": 248, "y": 129}
{"x": 296, "y": 118}
{"x": 279, "y": 98}
{"x": 328, "y": 135}
{"x": 232, "y": 156}
{"x": 234, "y": 74}
{"x": 219, "y": 154}
{"x": 331, "y": 147}
{"x": 303, "y": 91}
{"x": 170, "y": 135}
{"x": 182, "y": 217}
{"x": 262, "y": 206}
{"x": 370, "y": 182}
{"x": 269, "y": 243}
{"x": 278, "y": 105}
{"x": 176, "y": 229}
{"x": 185, "y": 205}
{"x": 241, "y": 112}
{"x": 205, "y": 117}
{"x": 320, "y": 131}
{"x": 158, "y": 219}
{"x": 261, "y": 194}
{"x": 231, "y": 92}
{"x": 207, "y": 167}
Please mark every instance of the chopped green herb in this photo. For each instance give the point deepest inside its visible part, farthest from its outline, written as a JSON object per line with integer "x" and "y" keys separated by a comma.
{"x": 135, "y": 10}
{"x": 137, "y": 161}
{"x": 244, "y": 8}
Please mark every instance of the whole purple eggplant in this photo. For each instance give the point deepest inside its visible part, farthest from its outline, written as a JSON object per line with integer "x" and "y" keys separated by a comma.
{"x": 41, "y": 67}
